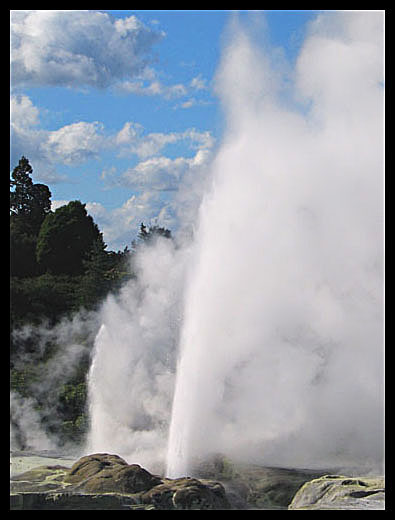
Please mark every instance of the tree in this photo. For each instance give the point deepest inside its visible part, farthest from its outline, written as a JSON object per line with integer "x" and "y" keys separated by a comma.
{"x": 22, "y": 249}
{"x": 40, "y": 205}
{"x": 29, "y": 202}
{"x": 95, "y": 284}
{"x": 66, "y": 238}
{"x": 20, "y": 198}
{"x": 149, "y": 234}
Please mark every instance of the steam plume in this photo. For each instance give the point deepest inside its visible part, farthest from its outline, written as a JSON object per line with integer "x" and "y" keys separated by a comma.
{"x": 281, "y": 346}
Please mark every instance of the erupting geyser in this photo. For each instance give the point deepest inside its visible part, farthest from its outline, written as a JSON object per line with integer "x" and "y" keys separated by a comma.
{"x": 281, "y": 346}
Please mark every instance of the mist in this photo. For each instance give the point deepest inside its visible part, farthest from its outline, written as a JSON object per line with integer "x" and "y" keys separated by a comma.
{"x": 131, "y": 378}
{"x": 55, "y": 352}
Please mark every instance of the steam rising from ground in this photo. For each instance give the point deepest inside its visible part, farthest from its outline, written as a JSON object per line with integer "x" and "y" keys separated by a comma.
{"x": 64, "y": 347}
{"x": 131, "y": 379}
{"x": 275, "y": 310}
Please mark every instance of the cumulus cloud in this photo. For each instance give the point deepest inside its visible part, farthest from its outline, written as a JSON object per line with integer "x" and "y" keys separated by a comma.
{"x": 24, "y": 114}
{"x": 26, "y": 135}
{"x": 77, "y": 48}
{"x": 69, "y": 145}
{"x": 162, "y": 173}
{"x": 131, "y": 140}
{"x": 79, "y": 142}
{"x": 75, "y": 143}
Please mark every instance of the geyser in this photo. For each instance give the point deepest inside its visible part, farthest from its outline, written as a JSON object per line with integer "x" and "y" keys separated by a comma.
{"x": 131, "y": 377}
{"x": 281, "y": 348}
{"x": 263, "y": 339}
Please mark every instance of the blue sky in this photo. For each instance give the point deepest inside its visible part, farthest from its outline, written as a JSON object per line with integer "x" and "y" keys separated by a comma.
{"x": 117, "y": 108}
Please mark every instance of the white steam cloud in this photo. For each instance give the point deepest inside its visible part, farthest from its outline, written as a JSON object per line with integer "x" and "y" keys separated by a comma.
{"x": 275, "y": 312}
{"x": 281, "y": 346}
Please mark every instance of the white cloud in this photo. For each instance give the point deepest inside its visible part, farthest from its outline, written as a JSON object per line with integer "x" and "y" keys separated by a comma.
{"x": 23, "y": 113}
{"x": 148, "y": 84}
{"x": 129, "y": 133}
{"x": 131, "y": 140}
{"x": 198, "y": 83}
{"x": 159, "y": 173}
{"x": 120, "y": 225}
{"x": 26, "y": 135}
{"x": 77, "y": 48}
{"x": 79, "y": 142}
{"x": 162, "y": 173}
{"x": 56, "y": 204}
{"x": 75, "y": 143}
{"x": 202, "y": 140}
{"x": 69, "y": 145}
{"x": 154, "y": 88}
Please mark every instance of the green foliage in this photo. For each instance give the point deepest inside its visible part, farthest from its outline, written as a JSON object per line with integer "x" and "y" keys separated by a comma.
{"x": 46, "y": 296}
{"x": 22, "y": 249}
{"x": 20, "y": 198}
{"x": 21, "y": 380}
{"x": 29, "y": 204}
{"x": 66, "y": 237}
{"x": 147, "y": 235}
{"x": 104, "y": 272}
{"x": 72, "y": 398}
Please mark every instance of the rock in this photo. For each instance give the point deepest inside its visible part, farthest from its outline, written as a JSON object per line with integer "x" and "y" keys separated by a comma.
{"x": 341, "y": 492}
{"x": 187, "y": 493}
{"x": 74, "y": 501}
{"x": 103, "y": 473}
{"x": 251, "y": 486}
{"x": 104, "y": 481}
{"x": 41, "y": 479}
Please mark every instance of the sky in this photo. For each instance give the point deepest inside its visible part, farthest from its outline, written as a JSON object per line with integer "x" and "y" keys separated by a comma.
{"x": 118, "y": 109}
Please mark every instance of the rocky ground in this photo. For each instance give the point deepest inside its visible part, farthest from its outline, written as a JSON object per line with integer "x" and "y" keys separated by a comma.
{"x": 104, "y": 481}
{"x": 21, "y": 461}
{"x": 340, "y": 492}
